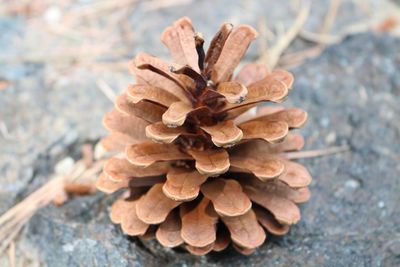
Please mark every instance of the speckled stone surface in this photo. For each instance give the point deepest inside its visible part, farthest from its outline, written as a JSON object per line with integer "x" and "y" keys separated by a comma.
{"x": 351, "y": 91}
{"x": 352, "y": 94}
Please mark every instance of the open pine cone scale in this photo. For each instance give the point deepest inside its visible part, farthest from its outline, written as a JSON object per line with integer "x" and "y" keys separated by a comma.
{"x": 202, "y": 165}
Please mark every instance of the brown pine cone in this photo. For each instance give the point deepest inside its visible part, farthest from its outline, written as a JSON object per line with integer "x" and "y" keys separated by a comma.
{"x": 203, "y": 165}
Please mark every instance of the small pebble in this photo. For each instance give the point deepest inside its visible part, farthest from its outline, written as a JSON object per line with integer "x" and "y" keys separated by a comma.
{"x": 64, "y": 166}
{"x": 353, "y": 184}
{"x": 99, "y": 151}
{"x": 68, "y": 247}
{"x": 330, "y": 138}
{"x": 349, "y": 187}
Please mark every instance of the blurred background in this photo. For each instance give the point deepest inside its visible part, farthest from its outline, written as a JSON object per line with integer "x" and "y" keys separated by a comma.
{"x": 62, "y": 61}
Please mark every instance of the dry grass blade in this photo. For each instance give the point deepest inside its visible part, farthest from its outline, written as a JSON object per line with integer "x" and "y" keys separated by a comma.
{"x": 107, "y": 90}
{"x": 12, "y": 235}
{"x": 322, "y": 38}
{"x": 330, "y": 16}
{"x": 11, "y": 254}
{"x": 13, "y": 220}
{"x": 380, "y": 21}
{"x": 271, "y": 57}
{"x": 293, "y": 59}
{"x": 316, "y": 153}
{"x": 161, "y": 4}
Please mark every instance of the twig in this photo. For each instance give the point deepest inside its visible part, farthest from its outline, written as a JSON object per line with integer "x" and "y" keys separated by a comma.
{"x": 12, "y": 235}
{"x": 329, "y": 39}
{"x": 380, "y": 22}
{"x": 35, "y": 200}
{"x": 330, "y": 16}
{"x": 328, "y": 22}
{"x": 107, "y": 90}
{"x": 271, "y": 57}
{"x": 11, "y": 254}
{"x": 160, "y": 4}
{"x": 293, "y": 59}
{"x": 319, "y": 38}
{"x": 315, "y": 153}
{"x": 322, "y": 39}
{"x": 323, "y": 36}
{"x": 12, "y": 221}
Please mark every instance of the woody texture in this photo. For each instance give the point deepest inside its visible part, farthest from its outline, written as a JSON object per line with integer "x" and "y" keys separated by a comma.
{"x": 202, "y": 166}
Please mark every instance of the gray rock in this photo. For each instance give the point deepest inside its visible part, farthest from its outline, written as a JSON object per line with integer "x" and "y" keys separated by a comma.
{"x": 351, "y": 92}
{"x": 82, "y": 236}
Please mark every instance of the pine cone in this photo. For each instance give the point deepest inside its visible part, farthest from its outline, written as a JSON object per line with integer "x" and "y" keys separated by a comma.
{"x": 203, "y": 166}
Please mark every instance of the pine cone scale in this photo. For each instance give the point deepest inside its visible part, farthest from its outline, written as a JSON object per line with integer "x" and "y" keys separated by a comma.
{"x": 245, "y": 230}
{"x": 198, "y": 223}
{"x": 232, "y": 52}
{"x": 154, "y": 206}
{"x": 169, "y": 232}
{"x": 137, "y": 93}
{"x": 183, "y": 185}
{"x": 227, "y": 197}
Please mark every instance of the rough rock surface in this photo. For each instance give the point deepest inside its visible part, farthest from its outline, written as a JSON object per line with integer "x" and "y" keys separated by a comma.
{"x": 352, "y": 94}
{"x": 53, "y": 104}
